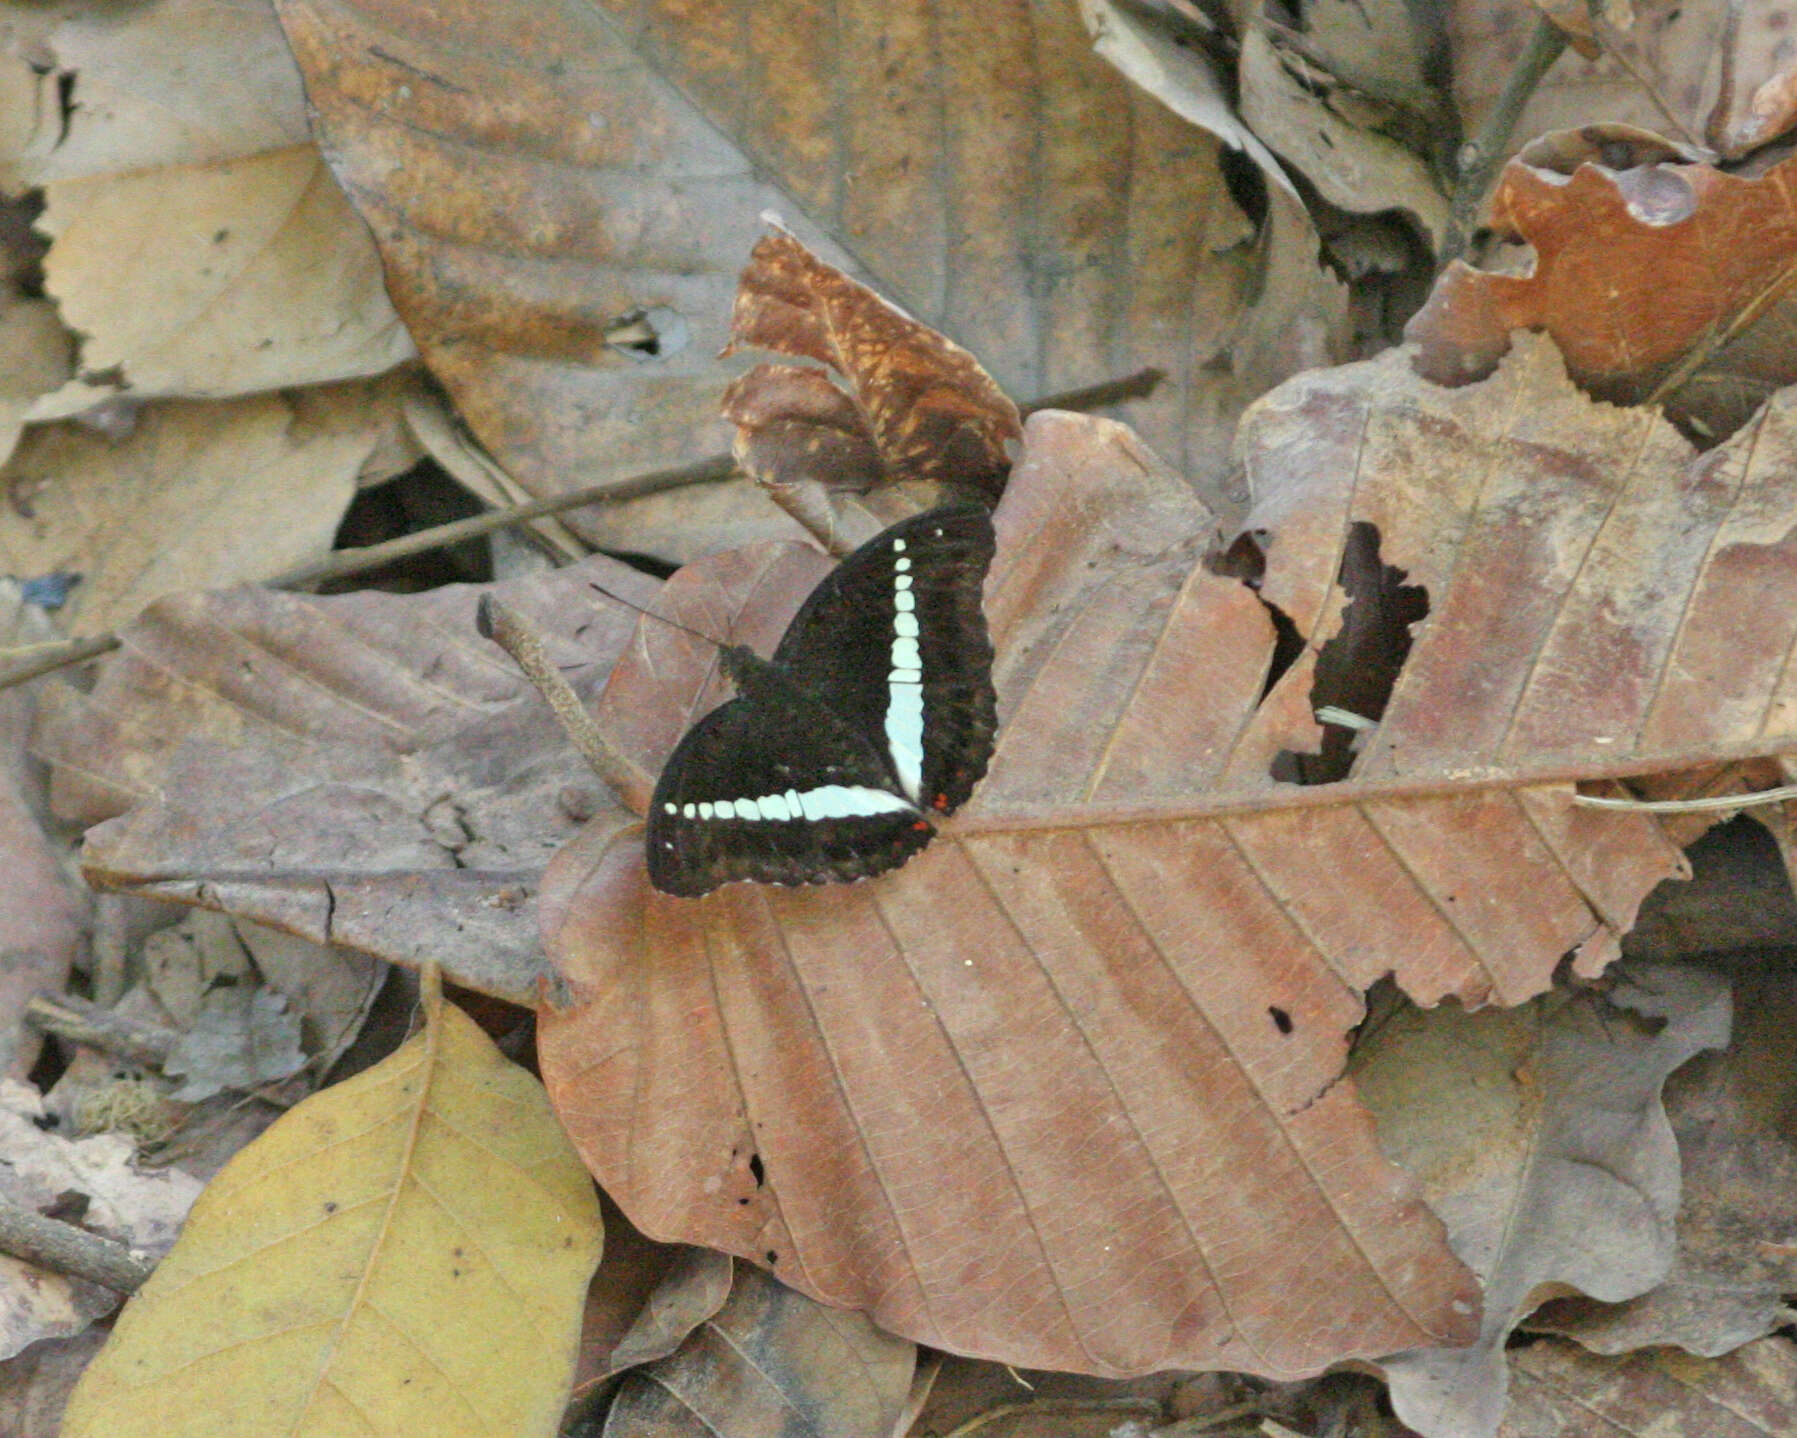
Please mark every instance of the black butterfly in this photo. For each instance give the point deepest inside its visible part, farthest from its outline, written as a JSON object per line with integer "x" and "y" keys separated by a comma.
{"x": 875, "y": 716}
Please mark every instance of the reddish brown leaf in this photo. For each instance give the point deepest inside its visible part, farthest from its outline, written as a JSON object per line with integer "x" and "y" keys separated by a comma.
{"x": 932, "y": 413}
{"x": 1648, "y": 268}
{"x": 1104, "y": 1014}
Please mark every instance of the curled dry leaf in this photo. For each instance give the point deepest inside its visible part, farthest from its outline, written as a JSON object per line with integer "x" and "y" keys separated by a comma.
{"x": 361, "y": 770}
{"x": 1651, "y": 272}
{"x": 1105, "y": 1012}
{"x": 770, "y": 1354}
{"x": 1541, "y": 1140}
{"x": 405, "y": 1252}
{"x": 930, "y": 411}
{"x": 1736, "y": 1264}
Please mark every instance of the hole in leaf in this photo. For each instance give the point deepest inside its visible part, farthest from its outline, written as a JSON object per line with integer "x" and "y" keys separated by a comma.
{"x": 756, "y": 1168}
{"x": 1281, "y": 1019}
{"x": 1357, "y": 669}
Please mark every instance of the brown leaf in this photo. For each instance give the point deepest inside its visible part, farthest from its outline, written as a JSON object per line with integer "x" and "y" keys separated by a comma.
{"x": 1654, "y": 275}
{"x": 1736, "y": 1262}
{"x": 362, "y": 770}
{"x": 771, "y": 1362}
{"x": 1105, "y": 1011}
{"x": 1563, "y": 1392}
{"x": 932, "y": 414}
{"x": 536, "y": 173}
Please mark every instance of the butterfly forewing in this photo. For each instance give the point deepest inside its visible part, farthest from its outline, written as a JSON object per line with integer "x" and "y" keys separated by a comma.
{"x": 844, "y": 645}
{"x": 875, "y": 712}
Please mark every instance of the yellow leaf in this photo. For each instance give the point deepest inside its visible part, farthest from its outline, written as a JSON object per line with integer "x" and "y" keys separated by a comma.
{"x": 404, "y": 1253}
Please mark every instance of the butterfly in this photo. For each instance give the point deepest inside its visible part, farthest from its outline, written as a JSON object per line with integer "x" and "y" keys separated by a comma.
{"x": 874, "y": 718}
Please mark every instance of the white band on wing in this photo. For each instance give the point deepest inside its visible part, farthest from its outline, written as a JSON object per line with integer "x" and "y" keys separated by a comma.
{"x": 831, "y": 801}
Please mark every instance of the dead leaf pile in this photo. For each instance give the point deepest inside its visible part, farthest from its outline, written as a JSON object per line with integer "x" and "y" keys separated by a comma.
{"x": 1262, "y": 1016}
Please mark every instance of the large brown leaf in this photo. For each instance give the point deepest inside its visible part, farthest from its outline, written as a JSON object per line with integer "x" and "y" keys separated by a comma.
{"x": 536, "y": 173}
{"x": 1064, "y": 1089}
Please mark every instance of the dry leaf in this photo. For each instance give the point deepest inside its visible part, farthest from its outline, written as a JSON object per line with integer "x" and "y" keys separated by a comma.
{"x": 362, "y": 771}
{"x": 43, "y": 914}
{"x": 245, "y": 1036}
{"x": 195, "y": 495}
{"x": 1105, "y": 1012}
{"x": 201, "y": 248}
{"x": 1563, "y": 1392}
{"x": 43, "y": 1169}
{"x": 1736, "y": 1263}
{"x": 770, "y": 1362}
{"x": 1541, "y": 1141}
{"x": 35, "y": 1386}
{"x": 182, "y": 82}
{"x": 691, "y": 1292}
{"x": 1659, "y": 73}
{"x": 932, "y": 414}
{"x": 1648, "y": 270}
{"x": 1295, "y": 110}
{"x": 263, "y": 278}
{"x": 541, "y": 177}
{"x": 405, "y": 1252}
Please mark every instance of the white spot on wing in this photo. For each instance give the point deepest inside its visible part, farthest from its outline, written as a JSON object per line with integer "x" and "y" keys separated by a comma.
{"x": 904, "y": 602}
{"x": 901, "y": 565}
{"x": 773, "y": 808}
{"x": 705, "y": 809}
{"x": 905, "y": 625}
{"x": 904, "y": 734}
{"x": 849, "y": 801}
{"x": 905, "y": 655}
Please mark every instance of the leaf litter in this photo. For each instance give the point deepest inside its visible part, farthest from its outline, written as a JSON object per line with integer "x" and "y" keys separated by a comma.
{"x": 1364, "y": 613}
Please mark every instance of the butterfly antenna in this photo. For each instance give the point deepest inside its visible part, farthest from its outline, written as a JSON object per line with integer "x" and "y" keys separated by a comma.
{"x": 658, "y": 618}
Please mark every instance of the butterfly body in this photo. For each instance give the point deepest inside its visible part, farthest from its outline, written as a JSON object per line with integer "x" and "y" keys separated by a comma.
{"x": 875, "y": 716}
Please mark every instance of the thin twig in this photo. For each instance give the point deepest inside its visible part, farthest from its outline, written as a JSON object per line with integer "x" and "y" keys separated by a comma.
{"x": 524, "y": 643}
{"x": 1758, "y": 799}
{"x": 1481, "y": 155}
{"x": 63, "y": 1248}
{"x": 80, "y": 1022}
{"x": 17, "y": 666}
{"x": 1044, "y": 1407}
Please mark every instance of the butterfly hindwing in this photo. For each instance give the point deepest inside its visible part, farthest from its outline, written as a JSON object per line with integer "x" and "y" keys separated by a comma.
{"x": 875, "y": 714}
{"x": 776, "y": 744}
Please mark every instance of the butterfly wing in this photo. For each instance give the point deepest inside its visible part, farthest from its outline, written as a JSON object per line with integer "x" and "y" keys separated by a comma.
{"x": 774, "y": 787}
{"x": 857, "y": 645}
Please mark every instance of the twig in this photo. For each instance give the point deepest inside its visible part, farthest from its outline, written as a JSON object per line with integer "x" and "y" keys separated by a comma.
{"x": 1043, "y": 1407}
{"x": 20, "y": 665}
{"x": 1758, "y": 799}
{"x": 63, "y": 1248}
{"x": 522, "y": 641}
{"x": 1481, "y": 155}
{"x": 75, "y": 1019}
